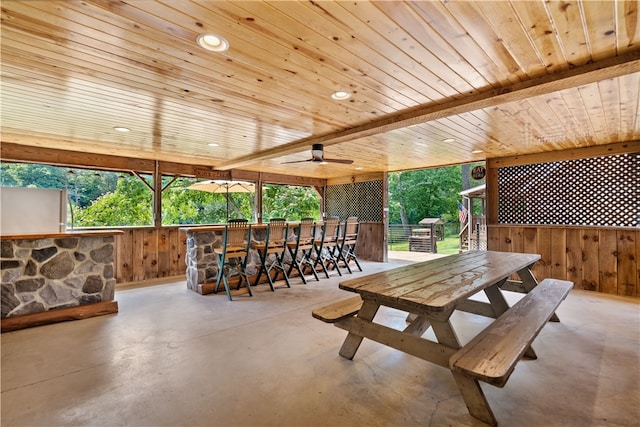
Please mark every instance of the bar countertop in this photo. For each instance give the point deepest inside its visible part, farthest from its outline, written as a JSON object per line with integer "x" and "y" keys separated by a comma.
{"x": 220, "y": 227}
{"x": 60, "y": 235}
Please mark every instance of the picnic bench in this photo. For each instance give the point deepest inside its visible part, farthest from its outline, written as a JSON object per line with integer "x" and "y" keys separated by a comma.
{"x": 431, "y": 291}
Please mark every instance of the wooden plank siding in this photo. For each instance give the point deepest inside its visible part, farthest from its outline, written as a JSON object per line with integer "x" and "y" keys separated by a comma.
{"x": 148, "y": 253}
{"x": 371, "y": 242}
{"x": 593, "y": 258}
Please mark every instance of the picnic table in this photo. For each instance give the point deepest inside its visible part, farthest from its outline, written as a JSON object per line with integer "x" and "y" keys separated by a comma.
{"x": 430, "y": 292}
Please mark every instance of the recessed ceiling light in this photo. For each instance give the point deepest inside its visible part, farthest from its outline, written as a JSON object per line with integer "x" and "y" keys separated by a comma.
{"x": 121, "y": 129}
{"x": 477, "y": 152}
{"x": 212, "y": 42}
{"x": 449, "y": 140}
{"x": 213, "y": 144}
{"x": 341, "y": 95}
{"x": 359, "y": 168}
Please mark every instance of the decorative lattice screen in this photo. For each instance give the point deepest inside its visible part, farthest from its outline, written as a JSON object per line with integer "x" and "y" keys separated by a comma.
{"x": 361, "y": 199}
{"x": 600, "y": 191}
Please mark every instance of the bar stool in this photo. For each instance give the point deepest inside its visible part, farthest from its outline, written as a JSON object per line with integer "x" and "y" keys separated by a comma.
{"x": 275, "y": 243}
{"x": 301, "y": 250}
{"x": 326, "y": 245}
{"x": 346, "y": 249}
{"x": 233, "y": 254}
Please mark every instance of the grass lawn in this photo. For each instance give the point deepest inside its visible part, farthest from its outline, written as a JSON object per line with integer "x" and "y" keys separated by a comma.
{"x": 450, "y": 245}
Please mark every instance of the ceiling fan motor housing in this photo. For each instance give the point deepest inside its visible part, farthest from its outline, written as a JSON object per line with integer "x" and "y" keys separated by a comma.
{"x": 317, "y": 152}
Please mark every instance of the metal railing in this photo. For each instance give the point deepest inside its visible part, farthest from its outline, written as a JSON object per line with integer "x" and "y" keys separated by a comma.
{"x": 476, "y": 238}
{"x": 414, "y": 237}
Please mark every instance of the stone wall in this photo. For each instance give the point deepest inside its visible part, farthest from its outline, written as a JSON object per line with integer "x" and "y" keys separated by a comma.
{"x": 202, "y": 265}
{"x": 51, "y": 273}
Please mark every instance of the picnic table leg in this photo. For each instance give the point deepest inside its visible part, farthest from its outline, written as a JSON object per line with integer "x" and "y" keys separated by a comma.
{"x": 496, "y": 299}
{"x": 352, "y": 341}
{"x": 530, "y": 282}
{"x": 499, "y": 305}
{"x": 418, "y": 325}
{"x": 475, "y": 399}
{"x": 470, "y": 389}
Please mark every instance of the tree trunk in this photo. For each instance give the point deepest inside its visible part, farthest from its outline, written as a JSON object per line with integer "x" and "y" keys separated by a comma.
{"x": 466, "y": 175}
{"x": 405, "y": 222}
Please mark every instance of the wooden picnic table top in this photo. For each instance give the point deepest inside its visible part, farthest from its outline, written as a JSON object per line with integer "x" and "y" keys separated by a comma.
{"x": 439, "y": 285}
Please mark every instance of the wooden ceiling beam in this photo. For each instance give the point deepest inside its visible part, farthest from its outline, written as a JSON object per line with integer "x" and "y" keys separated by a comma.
{"x": 73, "y": 159}
{"x": 594, "y": 72}
{"x": 66, "y": 158}
{"x": 569, "y": 154}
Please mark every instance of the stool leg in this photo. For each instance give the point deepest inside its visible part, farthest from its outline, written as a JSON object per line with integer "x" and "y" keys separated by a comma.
{"x": 220, "y": 273}
{"x": 242, "y": 262}
{"x": 280, "y": 261}
{"x": 295, "y": 264}
{"x": 257, "y": 281}
{"x": 266, "y": 268}
{"x": 320, "y": 260}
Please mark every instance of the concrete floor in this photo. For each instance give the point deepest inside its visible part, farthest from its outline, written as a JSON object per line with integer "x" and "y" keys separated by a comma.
{"x": 171, "y": 357}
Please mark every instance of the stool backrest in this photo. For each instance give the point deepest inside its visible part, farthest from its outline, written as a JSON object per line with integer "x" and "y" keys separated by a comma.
{"x": 277, "y": 230}
{"x": 237, "y": 234}
{"x": 330, "y": 229}
{"x": 306, "y": 229}
{"x": 351, "y": 228}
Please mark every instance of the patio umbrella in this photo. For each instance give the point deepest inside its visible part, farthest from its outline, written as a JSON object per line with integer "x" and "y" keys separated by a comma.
{"x": 226, "y": 187}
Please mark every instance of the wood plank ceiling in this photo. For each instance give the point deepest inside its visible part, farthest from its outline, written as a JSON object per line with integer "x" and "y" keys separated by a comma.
{"x": 432, "y": 83}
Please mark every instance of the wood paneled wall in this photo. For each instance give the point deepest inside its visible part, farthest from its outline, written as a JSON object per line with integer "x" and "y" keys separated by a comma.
{"x": 150, "y": 253}
{"x": 371, "y": 242}
{"x": 601, "y": 259}
{"x": 595, "y": 259}
{"x": 147, "y": 253}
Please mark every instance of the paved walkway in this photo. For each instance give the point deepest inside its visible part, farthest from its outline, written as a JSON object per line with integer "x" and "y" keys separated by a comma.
{"x": 413, "y": 256}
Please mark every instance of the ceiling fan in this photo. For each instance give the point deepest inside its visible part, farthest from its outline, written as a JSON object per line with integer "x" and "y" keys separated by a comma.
{"x": 317, "y": 156}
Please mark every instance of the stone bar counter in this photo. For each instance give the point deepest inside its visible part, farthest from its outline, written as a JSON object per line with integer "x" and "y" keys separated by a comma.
{"x": 53, "y": 277}
{"x": 202, "y": 265}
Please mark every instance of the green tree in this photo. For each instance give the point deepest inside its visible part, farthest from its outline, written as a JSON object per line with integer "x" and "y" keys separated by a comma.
{"x": 129, "y": 204}
{"x": 290, "y": 202}
{"x": 426, "y": 193}
{"x": 183, "y": 206}
{"x": 32, "y": 175}
{"x": 85, "y": 186}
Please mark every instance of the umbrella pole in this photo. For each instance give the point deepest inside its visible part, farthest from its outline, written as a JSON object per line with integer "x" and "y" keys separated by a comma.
{"x": 227, "y": 205}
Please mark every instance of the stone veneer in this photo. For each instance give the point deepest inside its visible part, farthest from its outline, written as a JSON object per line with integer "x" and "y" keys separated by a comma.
{"x": 202, "y": 265}
{"x": 50, "y": 273}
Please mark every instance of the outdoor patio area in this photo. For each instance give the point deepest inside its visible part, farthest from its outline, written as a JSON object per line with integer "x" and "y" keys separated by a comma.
{"x": 171, "y": 357}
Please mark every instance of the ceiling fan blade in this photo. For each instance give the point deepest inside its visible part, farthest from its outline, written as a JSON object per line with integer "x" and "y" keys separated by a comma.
{"x": 297, "y": 161}
{"x": 345, "y": 162}
{"x": 317, "y": 156}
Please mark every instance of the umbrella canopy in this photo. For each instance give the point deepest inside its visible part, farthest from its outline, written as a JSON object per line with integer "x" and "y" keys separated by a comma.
{"x": 224, "y": 186}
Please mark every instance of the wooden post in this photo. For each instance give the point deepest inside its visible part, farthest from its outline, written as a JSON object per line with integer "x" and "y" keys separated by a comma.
{"x": 157, "y": 196}
{"x": 385, "y": 217}
{"x": 258, "y": 197}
